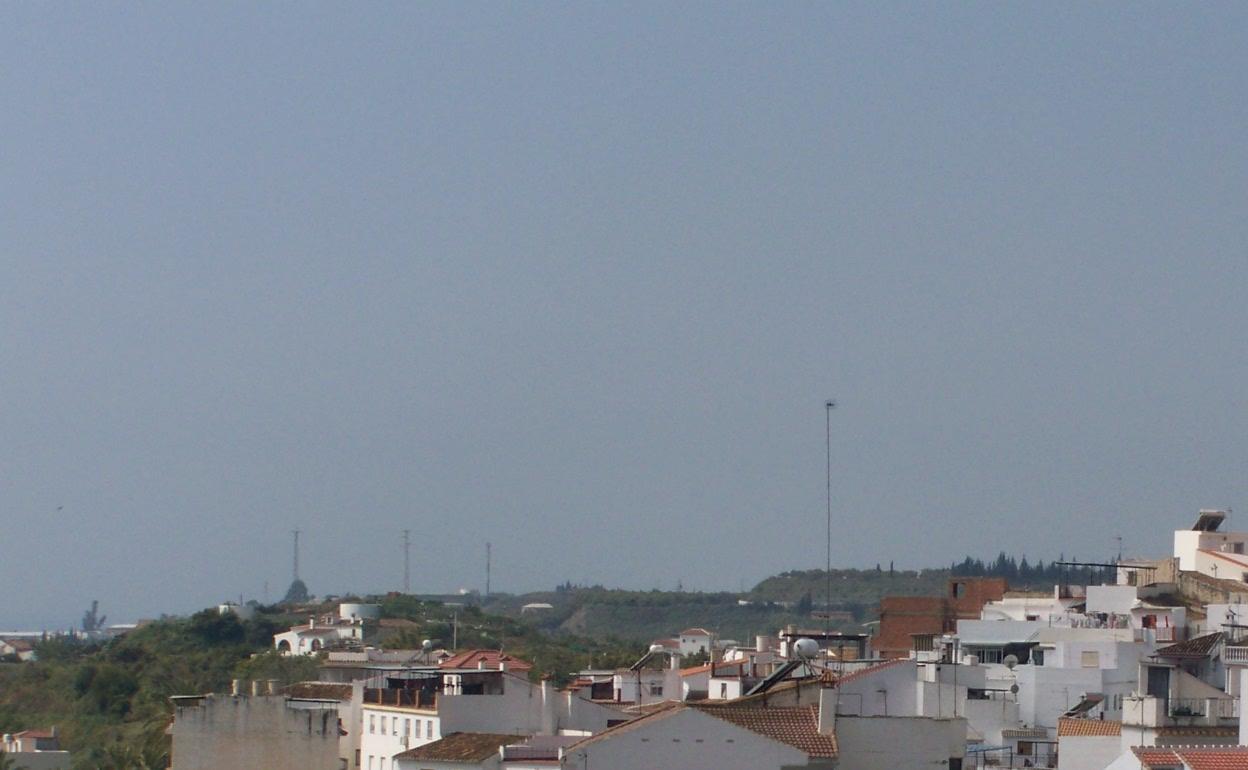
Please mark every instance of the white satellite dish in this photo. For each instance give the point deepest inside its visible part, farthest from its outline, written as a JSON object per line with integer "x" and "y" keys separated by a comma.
{"x": 1010, "y": 661}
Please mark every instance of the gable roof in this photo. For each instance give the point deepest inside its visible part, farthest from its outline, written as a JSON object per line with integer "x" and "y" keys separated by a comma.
{"x": 489, "y": 658}
{"x": 1197, "y": 647}
{"x": 461, "y": 747}
{"x": 798, "y": 726}
{"x": 1087, "y": 727}
{"x": 695, "y": 631}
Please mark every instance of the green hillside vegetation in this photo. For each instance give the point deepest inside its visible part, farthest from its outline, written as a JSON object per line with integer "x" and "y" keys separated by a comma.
{"x": 110, "y": 699}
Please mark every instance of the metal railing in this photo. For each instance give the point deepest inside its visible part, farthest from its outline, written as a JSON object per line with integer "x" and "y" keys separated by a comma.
{"x": 421, "y": 699}
{"x": 1222, "y": 708}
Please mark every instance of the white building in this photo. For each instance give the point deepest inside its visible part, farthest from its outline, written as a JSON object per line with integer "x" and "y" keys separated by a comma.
{"x": 35, "y": 750}
{"x": 1204, "y": 548}
{"x": 318, "y": 634}
{"x": 694, "y": 640}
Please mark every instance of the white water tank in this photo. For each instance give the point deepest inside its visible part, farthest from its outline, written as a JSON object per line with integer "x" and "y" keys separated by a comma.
{"x": 348, "y": 611}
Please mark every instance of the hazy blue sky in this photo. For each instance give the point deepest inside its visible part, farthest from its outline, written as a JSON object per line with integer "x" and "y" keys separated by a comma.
{"x": 576, "y": 279}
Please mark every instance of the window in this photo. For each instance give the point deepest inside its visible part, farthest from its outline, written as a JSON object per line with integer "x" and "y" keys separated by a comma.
{"x": 656, "y": 689}
{"x": 723, "y": 691}
{"x": 372, "y": 726}
{"x": 370, "y": 762}
{"x": 383, "y": 727}
{"x": 1037, "y": 657}
{"x": 428, "y": 728}
{"x": 381, "y": 763}
{"x": 990, "y": 655}
{"x": 407, "y": 727}
{"x": 955, "y": 763}
{"x": 394, "y": 726}
{"x": 357, "y": 757}
{"x": 1025, "y": 748}
{"x": 1090, "y": 659}
{"x": 958, "y": 590}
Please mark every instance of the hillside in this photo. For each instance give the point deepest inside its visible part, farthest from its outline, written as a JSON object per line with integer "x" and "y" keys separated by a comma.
{"x": 110, "y": 699}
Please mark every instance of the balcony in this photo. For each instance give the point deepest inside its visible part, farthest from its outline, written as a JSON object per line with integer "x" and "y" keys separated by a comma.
{"x": 1235, "y": 656}
{"x": 414, "y": 699}
{"x": 1148, "y": 711}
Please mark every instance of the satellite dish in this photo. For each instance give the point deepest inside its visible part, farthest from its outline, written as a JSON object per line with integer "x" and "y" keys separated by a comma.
{"x": 426, "y": 645}
{"x": 806, "y": 648}
{"x": 1010, "y": 661}
{"x": 1014, "y": 689}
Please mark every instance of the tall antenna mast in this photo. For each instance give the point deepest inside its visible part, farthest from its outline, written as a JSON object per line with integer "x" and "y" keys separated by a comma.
{"x": 295, "y": 532}
{"x": 828, "y": 406}
{"x": 407, "y": 561}
{"x": 487, "y": 569}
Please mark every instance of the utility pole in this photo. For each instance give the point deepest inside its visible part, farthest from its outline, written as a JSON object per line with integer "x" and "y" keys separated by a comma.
{"x": 407, "y": 561}
{"x": 487, "y": 569}
{"x": 295, "y": 532}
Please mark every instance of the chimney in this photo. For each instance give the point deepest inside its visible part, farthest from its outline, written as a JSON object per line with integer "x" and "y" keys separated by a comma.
{"x": 827, "y": 710}
{"x": 502, "y": 664}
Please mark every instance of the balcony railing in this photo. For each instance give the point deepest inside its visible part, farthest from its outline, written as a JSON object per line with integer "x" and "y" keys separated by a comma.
{"x": 1237, "y": 656}
{"x": 1220, "y": 708}
{"x": 420, "y": 699}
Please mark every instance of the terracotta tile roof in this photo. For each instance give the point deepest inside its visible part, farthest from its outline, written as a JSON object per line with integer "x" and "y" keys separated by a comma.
{"x": 798, "y": 726}
{"x": 34, "y": 734}
{"x": 731, "y": 668}
{"x": 1085, "y": 727}
{"x": 695, "y": 632}
{"x": 319, "y": 690}
{"x": 1198, "y": 647}
{"x": 1196, "y": 758}
{"x": 491, "y": 658}
{"x": 461, "y": 747}
{"x": 1150, "y": 756}
{"x": 1220, "y": 758}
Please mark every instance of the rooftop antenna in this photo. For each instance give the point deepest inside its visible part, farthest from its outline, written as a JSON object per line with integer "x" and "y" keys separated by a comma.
{"x": 1119, "y": 539}
{"x": 295, "y": 532}
{"x": 407, "y": 561}
{"x": 487, "y": 569}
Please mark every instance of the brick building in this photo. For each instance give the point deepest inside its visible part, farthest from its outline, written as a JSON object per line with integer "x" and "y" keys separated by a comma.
{"x": 901, "y": 617}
